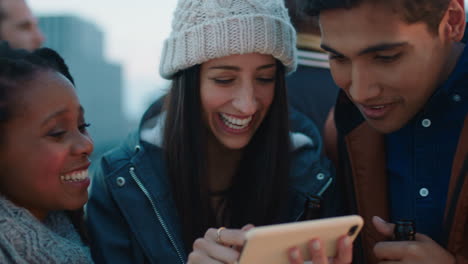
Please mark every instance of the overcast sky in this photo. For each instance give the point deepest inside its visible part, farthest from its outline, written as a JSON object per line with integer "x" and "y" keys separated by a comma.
{"x": 134, "y": 33}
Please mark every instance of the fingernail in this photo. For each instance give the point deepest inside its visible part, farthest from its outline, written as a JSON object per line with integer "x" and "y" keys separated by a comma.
{"x": 347, "y": 241}
{"x": 295, "y": 253}
{"x": 316, "y": 245}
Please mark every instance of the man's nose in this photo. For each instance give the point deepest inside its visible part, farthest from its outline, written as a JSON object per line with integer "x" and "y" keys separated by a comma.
{"x": 363, "y": 86}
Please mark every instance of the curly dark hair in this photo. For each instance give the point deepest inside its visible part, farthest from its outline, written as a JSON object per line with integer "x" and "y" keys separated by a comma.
{"x": 18, "y": 67}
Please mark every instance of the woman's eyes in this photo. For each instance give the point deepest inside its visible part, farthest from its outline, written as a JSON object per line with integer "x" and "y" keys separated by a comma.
{"x": 58, "y": 134}
{"x": 223, "y": 81}
{"x": 266, "y": 80}
{"x": 231, "y": 80}
{"x": 83, "y": 127}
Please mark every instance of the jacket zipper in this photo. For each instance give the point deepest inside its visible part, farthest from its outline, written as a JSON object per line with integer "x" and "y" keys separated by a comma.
{"x": 324, "y": 188}
{"x": 158, "y": 215}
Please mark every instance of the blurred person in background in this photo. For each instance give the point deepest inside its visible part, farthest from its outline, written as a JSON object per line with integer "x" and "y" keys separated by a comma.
{"x": 18, "y": 26}
{"x": 311, "y": 89}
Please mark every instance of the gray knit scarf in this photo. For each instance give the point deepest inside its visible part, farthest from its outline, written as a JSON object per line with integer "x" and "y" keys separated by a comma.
{"x": 25, "y": 239}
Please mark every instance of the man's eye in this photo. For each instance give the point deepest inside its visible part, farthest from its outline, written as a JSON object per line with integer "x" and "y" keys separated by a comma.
{"x": 391, "y": 58}
{"x": 337, "y": 58}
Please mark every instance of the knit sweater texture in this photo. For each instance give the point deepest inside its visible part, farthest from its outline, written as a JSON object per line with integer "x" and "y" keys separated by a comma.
{"x": 25, "y": 239}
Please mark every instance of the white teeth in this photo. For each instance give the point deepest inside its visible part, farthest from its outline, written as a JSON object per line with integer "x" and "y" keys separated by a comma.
{"x": 235, "y": 123}
{"x": 75, "y": 176}
{"x": 378, "y": 107}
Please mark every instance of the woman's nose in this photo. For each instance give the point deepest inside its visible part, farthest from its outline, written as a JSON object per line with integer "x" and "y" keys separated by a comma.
{"x": 83, "y": 144}
{"x": 245, "y": 101}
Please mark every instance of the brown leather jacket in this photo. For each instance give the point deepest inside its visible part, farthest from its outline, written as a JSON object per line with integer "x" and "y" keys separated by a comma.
{"x": 358, "y": 152}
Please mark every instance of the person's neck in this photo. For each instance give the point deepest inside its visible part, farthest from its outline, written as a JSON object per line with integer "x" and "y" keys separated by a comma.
{"x": 38, "y": 213}
{"x": 452, "y": 59}
{"x": 222, "y": 165}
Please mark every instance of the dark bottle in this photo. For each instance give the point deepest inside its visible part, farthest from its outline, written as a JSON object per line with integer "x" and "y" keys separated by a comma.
{"x": 405, "y": 230}
{"x": 312, "y": 208}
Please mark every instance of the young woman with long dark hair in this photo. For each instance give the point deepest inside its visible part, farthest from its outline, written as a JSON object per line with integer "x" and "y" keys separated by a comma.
{"x": 219, "y": 153}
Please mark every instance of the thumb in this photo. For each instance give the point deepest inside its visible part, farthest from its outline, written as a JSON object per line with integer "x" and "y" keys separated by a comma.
{"x": 244, "y": 229}
{"x": 383, "y": 227}
{"x": 247, "y": 227}
{"x": 423, "y": 238}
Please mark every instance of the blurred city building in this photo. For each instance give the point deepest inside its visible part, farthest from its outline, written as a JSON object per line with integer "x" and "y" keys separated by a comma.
{"x": 98, "y": 82}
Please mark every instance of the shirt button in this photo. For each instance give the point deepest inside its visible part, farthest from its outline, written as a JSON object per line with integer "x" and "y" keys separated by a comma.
{"x": 120, "y": 181}
{"x": 426, "y": 123}
{"x": 320, "y": 176}
{"x": 456, "y": 98}
{"x": 424, "y": 192}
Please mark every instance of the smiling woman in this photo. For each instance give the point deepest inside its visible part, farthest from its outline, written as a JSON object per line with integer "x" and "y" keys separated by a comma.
{"x": 236, "y": 92}
{"x": 44, "y": 150}
{"x": 220, "y": 151}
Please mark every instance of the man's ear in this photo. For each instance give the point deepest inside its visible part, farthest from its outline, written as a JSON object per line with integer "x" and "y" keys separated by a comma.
{"x": 453, "y": 23}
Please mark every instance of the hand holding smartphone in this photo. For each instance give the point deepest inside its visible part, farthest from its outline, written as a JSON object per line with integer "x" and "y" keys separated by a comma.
{"x": 269, "y": 244}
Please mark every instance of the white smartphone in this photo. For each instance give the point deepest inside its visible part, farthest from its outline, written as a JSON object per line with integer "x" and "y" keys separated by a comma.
{"x": 269, "y": 244}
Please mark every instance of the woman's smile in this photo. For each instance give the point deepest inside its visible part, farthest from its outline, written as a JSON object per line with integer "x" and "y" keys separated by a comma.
{"x": 235, "y": 124}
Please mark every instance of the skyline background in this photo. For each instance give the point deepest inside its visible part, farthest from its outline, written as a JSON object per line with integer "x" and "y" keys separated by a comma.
{"x": 133, "y": 32}
{"x": 99, "y": 83}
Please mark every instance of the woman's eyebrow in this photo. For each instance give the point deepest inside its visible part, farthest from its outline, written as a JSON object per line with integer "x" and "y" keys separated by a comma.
{"x": 235, "y": 68}
{"x": 225, "y": 67}
{"x": 266, "y": 66}
{"x": 54, "y": 115}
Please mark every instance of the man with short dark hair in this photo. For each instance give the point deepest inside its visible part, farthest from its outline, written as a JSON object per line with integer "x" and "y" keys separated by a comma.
{"x": 18, "y": 26}
{"x": 399, "y": 130}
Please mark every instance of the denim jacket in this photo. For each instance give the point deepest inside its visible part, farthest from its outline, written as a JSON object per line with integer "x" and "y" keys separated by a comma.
{"x": 131, "y": 215}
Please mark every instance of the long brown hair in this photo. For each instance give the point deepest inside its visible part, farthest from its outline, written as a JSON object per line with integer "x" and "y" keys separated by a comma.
{"x": 259, "y": 187}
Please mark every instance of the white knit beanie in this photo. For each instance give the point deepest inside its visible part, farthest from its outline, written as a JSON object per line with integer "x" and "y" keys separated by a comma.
{"x": 207, "y": 29}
